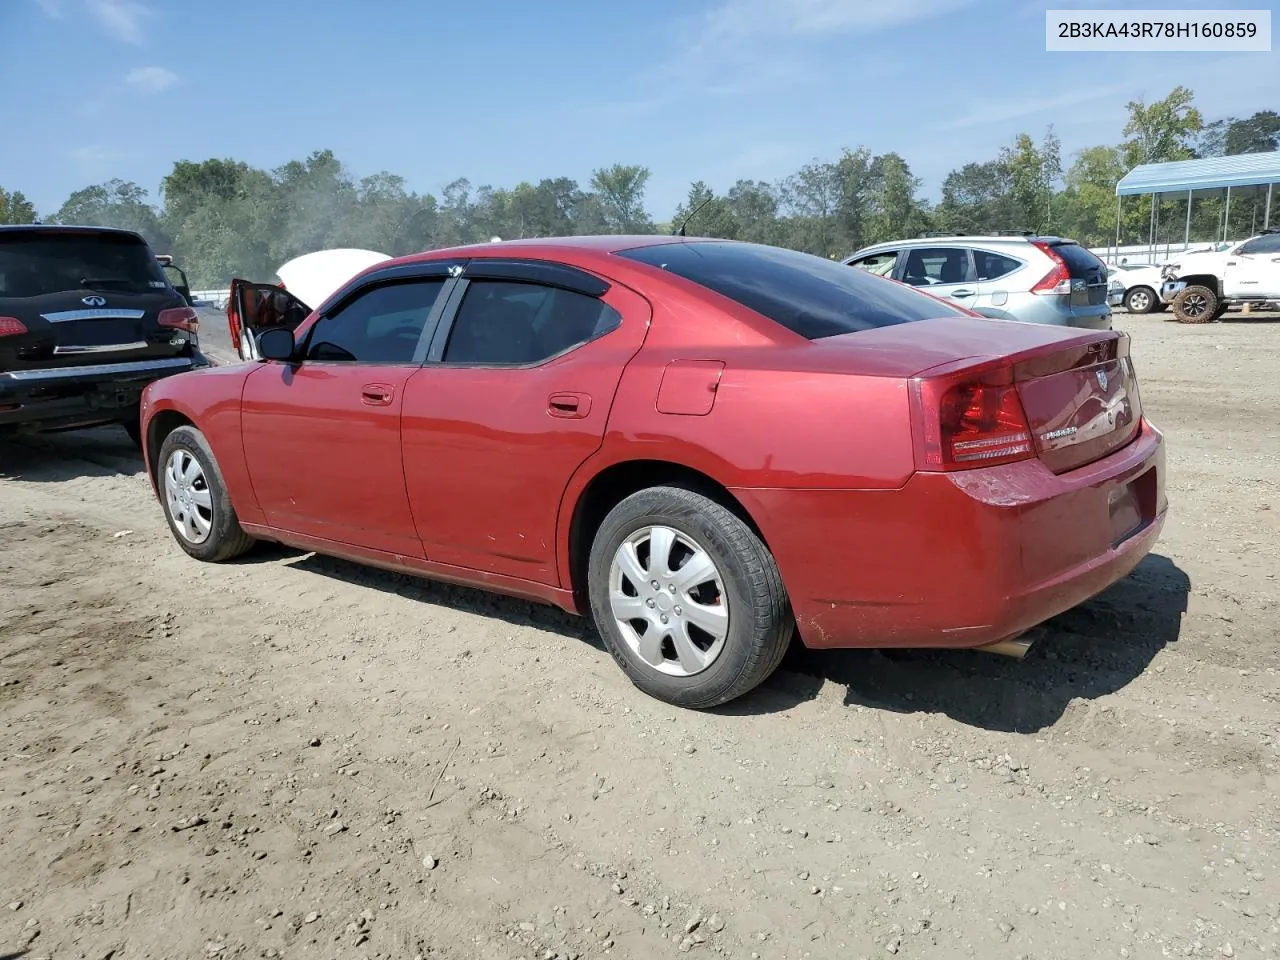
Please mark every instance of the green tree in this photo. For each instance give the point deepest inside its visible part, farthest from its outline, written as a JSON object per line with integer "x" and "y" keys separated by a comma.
{"x": 753, "y": 205}
{"x": 712, "y": 216}
{"x": 117, "y": 203}
{"x": 15, "y": 208}
{"x": 1087, "y": 205}
{"x": 1033, "y": 172}
{"x": 621, "y": 193}
{"x": 893, "y": 209}
{"x": 978, "y": 198}
{"x": 1162, "y": 131}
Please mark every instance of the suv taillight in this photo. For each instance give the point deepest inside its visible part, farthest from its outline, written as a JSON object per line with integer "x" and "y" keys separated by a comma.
{"x": 12, "y": 327}
{"x": 180, "y": 318}
{"x": 970, "y": 419}
{"x": 1057, "y": 280}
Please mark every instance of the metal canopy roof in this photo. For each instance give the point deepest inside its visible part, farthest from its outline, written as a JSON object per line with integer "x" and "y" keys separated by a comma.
{"x": 1242, "y": 170}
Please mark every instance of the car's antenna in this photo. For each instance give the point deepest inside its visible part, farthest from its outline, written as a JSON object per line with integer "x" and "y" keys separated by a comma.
{"x": 679, "y": 231}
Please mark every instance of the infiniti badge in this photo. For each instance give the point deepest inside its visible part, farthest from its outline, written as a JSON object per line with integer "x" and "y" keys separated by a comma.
{"x": 1102, "y": 378}
{"x": 94, "y": 301}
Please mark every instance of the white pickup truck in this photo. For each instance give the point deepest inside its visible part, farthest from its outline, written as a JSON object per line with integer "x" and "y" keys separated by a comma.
{"x": 1201, "y": 286}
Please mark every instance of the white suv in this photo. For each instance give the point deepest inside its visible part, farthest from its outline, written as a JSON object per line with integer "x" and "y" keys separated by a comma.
{"x": 1201, "y": 286}
{"x": 1032, "y": 279}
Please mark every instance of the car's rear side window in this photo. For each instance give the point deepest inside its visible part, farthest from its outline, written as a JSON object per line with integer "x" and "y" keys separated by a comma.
{"x": 808, "y": 295}
{"x": 35, "y": 263}
{"x": 993, "y": 266}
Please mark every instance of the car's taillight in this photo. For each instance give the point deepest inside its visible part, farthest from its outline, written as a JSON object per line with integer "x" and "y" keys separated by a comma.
{"x": 970, "y": 419}
{"x": 233, "y": 323}
{"x": 12, "y": 327}
{"x": 1057, "y": 280}
{"x": 180, "y": 318}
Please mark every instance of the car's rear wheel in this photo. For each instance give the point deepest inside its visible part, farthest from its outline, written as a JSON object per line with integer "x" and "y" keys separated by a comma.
{"x": 195, "y": 499}
{"x": 1140, "y": 300}
{"x": 1195, "y": 304}
{"x": 687, "y": 598}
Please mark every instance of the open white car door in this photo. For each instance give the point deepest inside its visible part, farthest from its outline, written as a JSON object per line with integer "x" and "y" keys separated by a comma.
{"x": 306, "y": 282}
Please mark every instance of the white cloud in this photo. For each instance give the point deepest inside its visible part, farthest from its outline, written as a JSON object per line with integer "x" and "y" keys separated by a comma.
{"x": 123, "y": 19}
{"x": 745, "y": 18}
{"x": 1000, "y": 112}
{"x": 51, "y": 8}
{"x": 151, "y": 79}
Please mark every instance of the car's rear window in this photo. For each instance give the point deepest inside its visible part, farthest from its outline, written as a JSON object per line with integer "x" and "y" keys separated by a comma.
{"x": 33, "y": 263}
{"x": 1081, "y": 263}
{"x": 806, "y": 294}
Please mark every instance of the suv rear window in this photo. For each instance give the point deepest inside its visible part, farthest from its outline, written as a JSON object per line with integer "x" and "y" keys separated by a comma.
{"x": 34, "y": 263}
{"x": 806, "y": 294}
{"x": 1081, "y": 263}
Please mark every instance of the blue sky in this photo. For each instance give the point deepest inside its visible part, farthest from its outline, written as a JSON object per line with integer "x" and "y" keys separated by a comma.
{"x": 499, "y": 91}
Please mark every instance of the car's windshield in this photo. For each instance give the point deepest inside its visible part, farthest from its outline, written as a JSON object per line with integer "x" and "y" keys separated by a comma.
{"x": 808, "y": 295}
{"x": 34, "y": 263}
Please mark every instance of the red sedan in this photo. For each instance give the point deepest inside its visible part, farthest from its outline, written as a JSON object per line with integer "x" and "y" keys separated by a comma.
{"x": 709, "y": 445}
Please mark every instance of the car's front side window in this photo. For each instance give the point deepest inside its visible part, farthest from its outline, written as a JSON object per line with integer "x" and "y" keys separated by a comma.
{"x": 1268, "y": 243}
{"x": 881, "y": 264}
{"x": 383, "y": 324}
{"x": 515, "y": 323}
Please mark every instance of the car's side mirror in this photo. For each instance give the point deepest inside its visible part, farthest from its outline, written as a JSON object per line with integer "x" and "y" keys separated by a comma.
{"x": 276, "y": 343}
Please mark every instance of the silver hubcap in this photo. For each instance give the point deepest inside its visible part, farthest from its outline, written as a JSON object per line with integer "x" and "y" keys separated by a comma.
{"x": 187, "y": 493}
{"x": 1140, "y": 300}
{"x": 1194, "y": 305}
{"x": 669, "y": 601}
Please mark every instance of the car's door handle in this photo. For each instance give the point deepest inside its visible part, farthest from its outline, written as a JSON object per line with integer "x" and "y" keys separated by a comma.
{"x": 962, "y": 293}
{"x": 376, "y": 394}
{"x": 569, "y": 405}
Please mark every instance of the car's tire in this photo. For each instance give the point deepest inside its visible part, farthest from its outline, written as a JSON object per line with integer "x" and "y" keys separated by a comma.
{"x": 738, "y": 609}
{"x": 1140, "y": 300}
{"x": 1195, "y": 304}
{"x": 195, "y": 500}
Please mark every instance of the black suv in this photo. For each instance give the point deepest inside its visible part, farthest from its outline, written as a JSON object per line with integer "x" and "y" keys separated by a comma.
{"x": 87, "y": 320}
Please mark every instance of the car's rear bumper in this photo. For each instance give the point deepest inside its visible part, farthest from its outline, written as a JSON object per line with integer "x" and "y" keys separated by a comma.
{"x": 65, "y": 397}
{"x": 962, "y": 559}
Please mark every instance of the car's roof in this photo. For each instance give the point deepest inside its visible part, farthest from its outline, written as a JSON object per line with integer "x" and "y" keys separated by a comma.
{"x": 549, "y": 247}
{"x": 63, "y": 228}
{"x": 959, "y": 239}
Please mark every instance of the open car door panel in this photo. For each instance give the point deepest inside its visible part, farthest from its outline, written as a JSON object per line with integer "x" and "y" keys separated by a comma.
{"x": 254, "y": 307}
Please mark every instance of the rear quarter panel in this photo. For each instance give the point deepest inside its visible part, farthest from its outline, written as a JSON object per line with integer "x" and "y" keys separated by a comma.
{"x": 210, "y": 400}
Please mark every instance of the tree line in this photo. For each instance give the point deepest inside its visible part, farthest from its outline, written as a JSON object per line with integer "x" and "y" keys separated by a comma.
{"x": 222, "y": 218}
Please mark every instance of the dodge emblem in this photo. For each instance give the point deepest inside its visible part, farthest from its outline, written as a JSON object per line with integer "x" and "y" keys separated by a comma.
{"x": 94, "y": 301}
{"x": 1102, "y": 378}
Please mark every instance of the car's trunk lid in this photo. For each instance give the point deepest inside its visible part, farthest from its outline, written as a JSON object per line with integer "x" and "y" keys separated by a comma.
{"x": 84, "y": 297}
{"x": 1081, "y": 401}
{"x": 82, "y": 326}
{"x": 1076, "y": 387}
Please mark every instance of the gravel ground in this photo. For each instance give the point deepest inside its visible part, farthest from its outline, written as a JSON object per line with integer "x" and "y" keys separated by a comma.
{"x": 296, "y": 756}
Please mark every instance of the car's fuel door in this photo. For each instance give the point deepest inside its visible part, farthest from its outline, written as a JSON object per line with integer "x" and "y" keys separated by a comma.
{"x": 254, "y": 307}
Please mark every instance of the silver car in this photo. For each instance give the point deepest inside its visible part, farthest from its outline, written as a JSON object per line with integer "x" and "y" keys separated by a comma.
{"x": 1032, "y": 279}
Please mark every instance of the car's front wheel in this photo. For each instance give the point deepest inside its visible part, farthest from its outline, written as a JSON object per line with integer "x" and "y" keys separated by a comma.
{"x": 687, "y": 598}
{"x": 1195, "y": 304}
{"x": 1140, "y": 300}
{"x": 195, "y": 499}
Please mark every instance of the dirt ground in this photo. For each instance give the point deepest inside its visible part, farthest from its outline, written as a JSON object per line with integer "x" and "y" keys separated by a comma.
{"x": 292, "y": 756}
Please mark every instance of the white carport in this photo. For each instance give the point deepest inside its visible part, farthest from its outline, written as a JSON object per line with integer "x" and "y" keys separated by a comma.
{"x": 1244, "y": 173}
